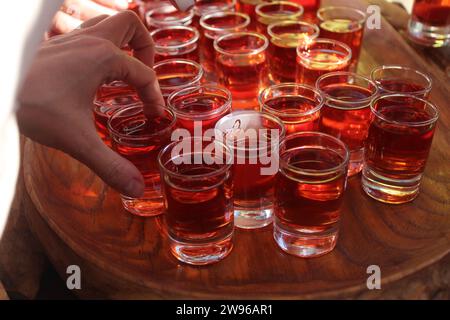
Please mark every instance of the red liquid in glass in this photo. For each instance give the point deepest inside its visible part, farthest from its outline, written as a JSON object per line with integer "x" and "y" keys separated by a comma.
{"x": 315, "y": 205}
{"x": 195, "y": 210}
{"x": 165, "y": 39}
{"x": 432, "y": 12}
{"x": 399, "y": 151}
{"x": 311, "y": 7}
{"x": 349, "y": 125}
{"x": 291, "y": 107}
{"x": 402, "y": 86}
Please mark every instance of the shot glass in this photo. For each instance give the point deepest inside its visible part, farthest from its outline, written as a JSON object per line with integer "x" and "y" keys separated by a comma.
{"x": 167, "y": 15}
{"x": 199, "y": 108}
{"x": 397, "y": 147}
{"x": 215, "y": 25}
{"x": 176, "y": 42}
{"x": 276, "y": 11}
{"x": 177, "y": 74}
{"x": 346, "y": 25}
{"x": 321, "y": 56}
{"x": 346, "y": 114}
{"x": 205, "y": 7}
{"x": 430, "y": 23}
{"x": 105, "y": 107}
{"x": 139, "y": 139}
{"x": 241, "y": 63}
{"x": 197, "y": 184}
{"x": 284, "y": 38}
{"x": 309, "y": 192}
{"x": 253, "y": 137}
{"x": 248, "y": 7}
{"x": 397, "y": 79}
{"x": 297, "y": 105}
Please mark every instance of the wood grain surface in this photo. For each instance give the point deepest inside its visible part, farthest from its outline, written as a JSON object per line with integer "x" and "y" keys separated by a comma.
{"x": 80, "y": 221}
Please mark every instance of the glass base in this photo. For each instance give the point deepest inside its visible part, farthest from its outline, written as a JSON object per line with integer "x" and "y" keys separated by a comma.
{"x": 305, "y": 244}
{"x": 356, "y": 162}
{"x": 429, "y": 36}
{"x": 252, "y": 219}
{"x": 202, "y": 253}
{"x": 151, "y": 205}
{"x": 388, "y": 190}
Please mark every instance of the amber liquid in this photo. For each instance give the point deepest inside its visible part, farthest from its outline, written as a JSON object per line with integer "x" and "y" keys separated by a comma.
{"x": 175, "y": 37}
{"x": 248, "y": 7}
{"x": 320, "y": 62}
{"x": 171, "y": 82}
{"x": 293, "y": 109}
{"x": 311, "y": 7}
{"x": 310, "y": 202}
{"x": 399, "y": 151}
{"x": 402, "y": 86}
{"x": 198, "y": 210}
{"x": 346, "y": 31}
{"x": 432, "y": 12}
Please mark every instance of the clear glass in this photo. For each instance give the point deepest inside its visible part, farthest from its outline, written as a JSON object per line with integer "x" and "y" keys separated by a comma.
{"x": 177, "y": 74}
{"x": 297, "y": 105}
{"x": 321, "y": 56}
{"x": 346, "y": 114}
{"x": 276, "y": 11}
{"x": 430, "y": 23}
{"x": 398, "y": 79}
{"x": 197, "y": 183}
{"x": 397, "y": 148}
{"x": 248, "y": 7}
{"x": 199, "y": 108}
{"x": 346, "y": 25}
{"x": 176, "y": 42}
{"x": 167, "y": 15}
{"x": 284, "y": 38}
{"x": 139, "y": 140}
{"x": 205, "y": 7}
{"x": 241, "y": 62}
{"x": 254, "y": 138}
{"x": 309, "y": 192}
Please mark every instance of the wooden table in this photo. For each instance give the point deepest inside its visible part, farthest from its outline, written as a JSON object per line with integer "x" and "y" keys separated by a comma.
{"x": 80, "y": 221}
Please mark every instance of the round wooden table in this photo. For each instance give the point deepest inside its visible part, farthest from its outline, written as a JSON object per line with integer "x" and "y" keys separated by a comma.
{"x": 81, "y": 222}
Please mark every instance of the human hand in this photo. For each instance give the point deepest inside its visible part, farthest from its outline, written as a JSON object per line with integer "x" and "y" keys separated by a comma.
{"x": 55, "y": 102}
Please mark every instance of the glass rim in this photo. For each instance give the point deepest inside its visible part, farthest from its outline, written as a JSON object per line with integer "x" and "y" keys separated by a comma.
{"x": 344, "y": 8}
{"x": 196, "y": 65}
{"x": 266, "y": 115}
{"x": 231, "y": 4}
{"x": 272, "y": 34}
{"x": 348, "y": 50}
{"x": 195, "y": 38}
{"x": 241, "y": 33}
{"x": 398, "y": 68}
{"x": 205, "y": 115}
{"x": 226, "y": 166}
{"x": 276, "y": 112}
{"x": 261, "y": 14}
{"x": 99, "y": 104}
{"x": 224, "y": 14}
{"x": 316, "y": 172}
{"x": 163, "y": 8}
{"x": 140, "y": 110}
{"x": 366, "y": 101}
{"x": 404, "y": 123}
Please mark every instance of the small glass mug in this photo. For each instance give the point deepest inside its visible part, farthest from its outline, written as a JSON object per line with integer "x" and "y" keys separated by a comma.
{"x": 346, "y": 114}
{"x": 309, "y": 192}
{"x": 284, "y": 38}
{"x": 430, "y": 23}
{"x": 320, "y": 56}
{"x": 241, "y": 62}
{"x": 139, "y": 140}
{"x": 397, "y": 148}
{"x": 199, "y": 108}
{"x": 398, "y": 79}
{"x": 297, "y": 105}
{"x": 177, "y": 74}
{"x": 197, "y": 184}
{"x": 253, "y": 137}
{"x": 176, "y": 42}
{"x": 344, "y": 24}
{"x": 276, "y": 11}
{"x": 167, "y": 15}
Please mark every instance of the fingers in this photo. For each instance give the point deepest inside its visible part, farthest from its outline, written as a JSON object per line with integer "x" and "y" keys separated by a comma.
{"x": 92, "y": 22}
{"x": 64, "y": 23}
{"x": 144, "y": 79}
{"x": 114, "y": 4}
{"x": 86, "y": 9}
{"x": 126, "y": 28}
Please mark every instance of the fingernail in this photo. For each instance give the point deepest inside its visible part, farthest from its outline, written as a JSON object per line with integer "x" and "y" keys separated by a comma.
{"x": 135, "y": 188}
